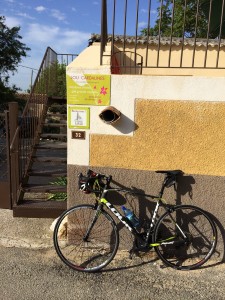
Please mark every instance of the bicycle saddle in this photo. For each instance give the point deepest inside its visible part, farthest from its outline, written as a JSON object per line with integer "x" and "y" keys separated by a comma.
{"x": 171, "y": 172}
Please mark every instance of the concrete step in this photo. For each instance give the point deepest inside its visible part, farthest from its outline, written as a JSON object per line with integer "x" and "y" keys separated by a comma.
{"x": 51, "y": 188}
{"x": 43, "y": 144}
{"x": 48, "y": 173}
{"x": 54, "y": 125}
{"x": 53, "y": 135}
{"x": 40, "y": 209}
{"x": 49, "y": 159}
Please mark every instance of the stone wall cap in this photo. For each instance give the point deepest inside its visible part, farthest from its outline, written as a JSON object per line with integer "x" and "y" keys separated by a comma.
{"x": 154, "y": 40}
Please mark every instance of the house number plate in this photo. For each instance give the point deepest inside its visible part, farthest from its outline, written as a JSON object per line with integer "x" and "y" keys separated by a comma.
{"x": 79, "y": 135}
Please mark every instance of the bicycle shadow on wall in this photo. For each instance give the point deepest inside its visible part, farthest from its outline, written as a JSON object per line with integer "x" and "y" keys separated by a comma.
{"x": 144, "y": 206}
{"x": 184, "y": 187}
{"x": 132, "y": 198}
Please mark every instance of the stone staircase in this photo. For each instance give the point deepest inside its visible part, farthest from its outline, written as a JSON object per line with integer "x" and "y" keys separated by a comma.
{"x": 44, "y": 193}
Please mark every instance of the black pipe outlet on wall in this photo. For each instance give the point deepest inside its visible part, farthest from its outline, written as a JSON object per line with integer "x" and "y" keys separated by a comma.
{"x": 110, "y": 115}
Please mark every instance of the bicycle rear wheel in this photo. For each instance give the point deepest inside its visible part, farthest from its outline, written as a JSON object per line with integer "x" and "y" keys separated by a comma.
{"x": 79, "y": 251}
{"x": 201, "y": 237}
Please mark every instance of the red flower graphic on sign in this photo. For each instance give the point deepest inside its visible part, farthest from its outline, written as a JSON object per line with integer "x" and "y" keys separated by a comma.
{"x": 103, "y": 91}
{"x": 99, "y": 101}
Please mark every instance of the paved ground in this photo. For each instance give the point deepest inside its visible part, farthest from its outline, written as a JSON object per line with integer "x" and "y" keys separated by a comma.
{"x": 30, "y": 269}
{"x": 38, "y": 274}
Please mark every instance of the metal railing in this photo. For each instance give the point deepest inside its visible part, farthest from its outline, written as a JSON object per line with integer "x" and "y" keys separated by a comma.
{"x": 165, "y": 26}
{"x": 29, "y": 125}
{"x": 3, "y": 148}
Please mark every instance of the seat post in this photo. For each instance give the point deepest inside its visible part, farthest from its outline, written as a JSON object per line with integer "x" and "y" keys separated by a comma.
{"x": 162, "y": 188}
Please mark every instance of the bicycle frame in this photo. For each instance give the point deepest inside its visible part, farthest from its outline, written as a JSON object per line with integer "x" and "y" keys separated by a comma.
{"x": 147, "y": 240}
{"x": 149, "y": 232}
{"x": 130, "y": 227}
{"x": 92, "y": 237}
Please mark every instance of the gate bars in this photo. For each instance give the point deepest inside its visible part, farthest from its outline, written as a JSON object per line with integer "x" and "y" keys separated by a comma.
{"x": 207, "y": 29}
{"x": 24, "y": 133}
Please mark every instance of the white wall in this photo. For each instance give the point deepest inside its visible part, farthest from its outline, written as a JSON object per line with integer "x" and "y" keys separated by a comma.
{"x": 126, "y": 88}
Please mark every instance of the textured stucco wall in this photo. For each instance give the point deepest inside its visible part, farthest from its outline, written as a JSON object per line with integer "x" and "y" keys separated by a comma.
{"x": 187, "y": 135}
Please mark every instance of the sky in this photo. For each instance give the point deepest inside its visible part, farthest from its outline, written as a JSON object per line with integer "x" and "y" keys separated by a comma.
{"x": 64, "y": 25}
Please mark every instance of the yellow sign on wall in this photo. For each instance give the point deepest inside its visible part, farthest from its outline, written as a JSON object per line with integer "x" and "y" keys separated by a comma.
{"x": 88, "y": 89}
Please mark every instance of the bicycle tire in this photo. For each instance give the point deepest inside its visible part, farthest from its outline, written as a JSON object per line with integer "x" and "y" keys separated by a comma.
{"x": 198, "y": 227}
{"x": 102, "y": 244}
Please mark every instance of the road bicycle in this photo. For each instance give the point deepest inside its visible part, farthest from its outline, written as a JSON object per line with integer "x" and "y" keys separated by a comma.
{"x": 86, "y": 236}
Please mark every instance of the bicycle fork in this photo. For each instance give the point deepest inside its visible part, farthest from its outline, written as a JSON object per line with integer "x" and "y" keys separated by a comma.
{"x": 87, "y": 234}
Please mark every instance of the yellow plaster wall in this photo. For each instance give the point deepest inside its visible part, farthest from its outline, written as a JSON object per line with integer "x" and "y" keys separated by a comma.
{"x": 187, "y": 135}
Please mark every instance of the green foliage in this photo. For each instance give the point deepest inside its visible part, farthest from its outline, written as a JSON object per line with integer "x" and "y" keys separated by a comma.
{"x": 53, "y": 80}
{"x": 58, "y": 108}
{"x": 54, "y": 109}
{"x": 7, "y": 94}
{"x": 11, "y": 52}
{"x": 11, "y": 48}
{"x": 179, "y": 21}
{"x": 10, "y": 94}
{"x": 216, "y": 28}
{"x": 59, "y": 196}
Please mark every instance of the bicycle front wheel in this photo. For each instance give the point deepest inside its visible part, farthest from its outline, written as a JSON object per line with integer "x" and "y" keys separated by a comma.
{"x": 186, "y": 237}
{"x": 86, "y": 239}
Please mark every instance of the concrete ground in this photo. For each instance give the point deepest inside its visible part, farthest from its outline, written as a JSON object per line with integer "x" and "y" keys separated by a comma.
{"x": 24, "y": 232}
{"x": 30, "y": 269}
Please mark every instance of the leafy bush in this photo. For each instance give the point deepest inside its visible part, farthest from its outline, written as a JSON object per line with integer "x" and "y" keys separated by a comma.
{"x": 59, "y": 196}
